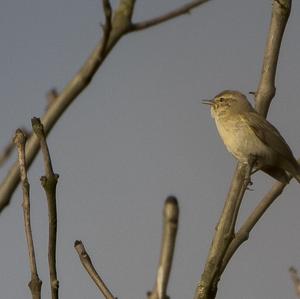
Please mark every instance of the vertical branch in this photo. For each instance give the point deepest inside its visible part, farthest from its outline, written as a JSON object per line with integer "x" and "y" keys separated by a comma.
{"x": 266, "y": 88}
{"x": 35, "y": 284}
{"x": 49, "y": 182}
{"x": 171, "y": 215}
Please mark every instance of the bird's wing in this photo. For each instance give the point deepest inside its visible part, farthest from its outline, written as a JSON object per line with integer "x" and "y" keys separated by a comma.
{"x": 267, "y": 133}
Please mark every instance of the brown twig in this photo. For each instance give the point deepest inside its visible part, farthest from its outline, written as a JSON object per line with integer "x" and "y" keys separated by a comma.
{"x": 120, "y": 26}
{"x": 35, "y": 284}
{"x": 296, "y": 280}
{"x": 184, "y": 9}
{"x": 171, "y": 215}
{"x": 88, "y": 266}
{"x": 266, "y": 87}
{"x": 49, "y": 182}
{"x": 243, "y": 233}
{"x": 207, "y": 287}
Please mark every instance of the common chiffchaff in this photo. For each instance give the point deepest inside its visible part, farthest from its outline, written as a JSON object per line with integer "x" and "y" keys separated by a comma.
{"x": 248, "y": 135}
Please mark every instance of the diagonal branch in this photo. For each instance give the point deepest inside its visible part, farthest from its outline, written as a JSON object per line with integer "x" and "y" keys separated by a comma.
{"x": 35, "y": 284}
{"x": 184, "y": 9}
{"x": 120, "y": 25}
{"x": 220, "y": 251}
{"x": 88, "y": 266}
{"x": 243, "y": 233}
{"x": 207, "y": 287}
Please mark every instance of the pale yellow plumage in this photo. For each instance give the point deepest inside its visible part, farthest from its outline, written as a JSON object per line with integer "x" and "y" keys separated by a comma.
{"x": 246, "y": 134}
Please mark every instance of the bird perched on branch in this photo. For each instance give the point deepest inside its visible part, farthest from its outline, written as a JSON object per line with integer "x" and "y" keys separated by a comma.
{"x": 248, "y": 136}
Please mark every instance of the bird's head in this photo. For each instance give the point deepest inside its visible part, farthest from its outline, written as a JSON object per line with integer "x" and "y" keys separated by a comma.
{"x": 228, "y": 102}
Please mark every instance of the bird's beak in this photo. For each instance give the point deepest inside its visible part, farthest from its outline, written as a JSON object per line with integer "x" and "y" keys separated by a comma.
{"x": 208, "y": 102}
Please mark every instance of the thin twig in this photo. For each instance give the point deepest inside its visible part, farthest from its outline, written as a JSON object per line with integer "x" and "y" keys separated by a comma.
{"x": 80, "y": 81}
{"x": 184, "y": 9}
{"x": 243, "y": 233}
{"x": 49, "y": 182}
{"x": 171, "y": 215}
{"x": 88, "y": 266}
{"x": 120, "y": 26}
{"x": 35, "y": 284}
{"x": 296, "y": 280}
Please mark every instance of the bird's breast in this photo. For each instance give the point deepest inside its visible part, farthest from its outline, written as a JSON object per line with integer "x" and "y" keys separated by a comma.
{"x": 239, "y": 138}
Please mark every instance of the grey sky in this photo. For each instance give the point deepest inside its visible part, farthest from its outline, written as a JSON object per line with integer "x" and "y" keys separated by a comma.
{"x": 138, "y": 134}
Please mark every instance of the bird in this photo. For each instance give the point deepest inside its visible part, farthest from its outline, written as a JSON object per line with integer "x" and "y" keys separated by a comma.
{"x": 250, "y": 138}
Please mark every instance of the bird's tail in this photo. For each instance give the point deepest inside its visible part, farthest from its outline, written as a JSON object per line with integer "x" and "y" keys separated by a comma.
{"x": 292, "y": 167}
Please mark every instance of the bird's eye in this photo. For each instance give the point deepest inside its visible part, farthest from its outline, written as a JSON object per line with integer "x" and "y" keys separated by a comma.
{"x": 221, "y": 100}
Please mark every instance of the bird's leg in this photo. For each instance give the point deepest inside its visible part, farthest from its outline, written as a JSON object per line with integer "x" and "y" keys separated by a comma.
{"x": 250, "y": 163}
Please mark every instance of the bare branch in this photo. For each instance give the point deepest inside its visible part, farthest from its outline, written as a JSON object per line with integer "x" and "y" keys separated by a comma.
{"x": 6, "y": 153}
{"x": 88, "y": 266}
{"x": 120, "y": 25}
{"x": 224, "y": 234}
{"x": 243, "y": 233}
{"x": 49, "y": 182}
{"x": 266, "y": 88}
{"x": 171, "y": 215}
{"x": 184, "y": 9}
{"x": 35, "y": 284}
{"x": 80, "y": 81}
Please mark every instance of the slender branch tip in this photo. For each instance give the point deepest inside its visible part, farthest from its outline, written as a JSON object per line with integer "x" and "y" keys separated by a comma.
{"x": 20, "y": 138}
{"x": 171, "y": 209}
